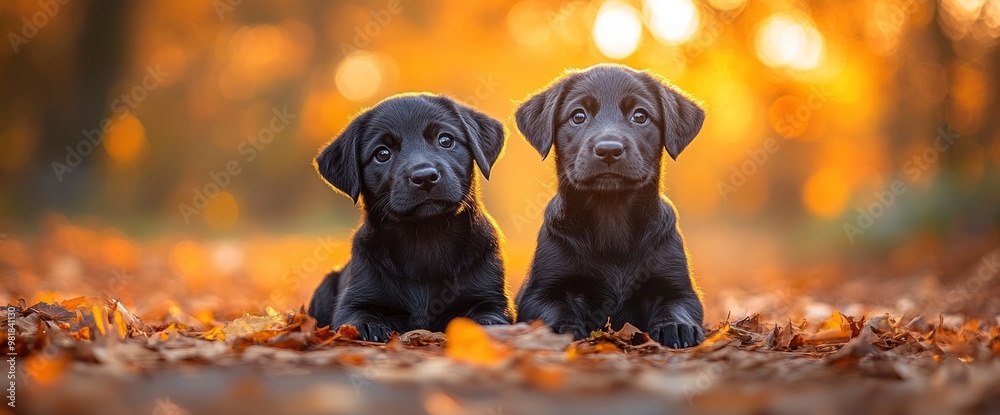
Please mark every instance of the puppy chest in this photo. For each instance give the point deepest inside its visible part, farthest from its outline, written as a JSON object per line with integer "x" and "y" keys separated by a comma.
{"x": 432, "y": 306}
{"x": 609, "y": 287}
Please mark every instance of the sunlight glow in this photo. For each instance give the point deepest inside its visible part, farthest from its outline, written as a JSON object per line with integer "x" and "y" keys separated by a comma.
{"x": 672, "y": 21}
{"x": 125, "y": 139}
{"x": 826, "y": 193}
{"x": 222, "y": 212}
{"x": 727, "y": 4}
{"x": 787, "y": 41}
{"x": 359, "y": 76}
{"x": 530, "y": 22}
{"x": 617, "y": 29}
{"x": 965, "y": 11}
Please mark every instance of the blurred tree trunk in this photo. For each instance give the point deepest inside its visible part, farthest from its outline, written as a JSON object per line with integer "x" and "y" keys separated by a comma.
{"x": 79, "y": 103}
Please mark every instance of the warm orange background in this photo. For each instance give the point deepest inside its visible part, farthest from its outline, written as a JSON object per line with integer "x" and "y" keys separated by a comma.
{"x": 823, "y": 105}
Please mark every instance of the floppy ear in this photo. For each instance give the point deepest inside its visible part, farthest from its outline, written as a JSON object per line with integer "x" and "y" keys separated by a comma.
{"x": 682, "y": 118}
{"x": 486, "y": 135}
{"x": 338, "y": 162}
{"x": 536, "y": 118}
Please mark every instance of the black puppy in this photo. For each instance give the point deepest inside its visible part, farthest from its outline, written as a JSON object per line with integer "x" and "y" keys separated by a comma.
{"x": 427, "y": 251}
{"x": 610, "y": 247}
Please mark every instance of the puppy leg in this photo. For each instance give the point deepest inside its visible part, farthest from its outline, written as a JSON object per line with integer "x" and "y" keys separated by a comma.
{"x": 558, "y": 313}
{"x": 677, "y": 323}
{"x": 488, "y": 314}
{"x": 324, "y": 299}
{"x": 370, "y": 327}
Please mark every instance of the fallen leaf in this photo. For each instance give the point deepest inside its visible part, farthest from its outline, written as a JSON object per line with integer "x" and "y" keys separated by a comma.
{"x": 853, "y": 351}
{"x": 531, "y": 337}
{"x": 121, "y": 328}
{"x": 100, "y": 318}
{"x": 49, "y": 311}
{"x": 420, "y": 338}
{"x": 348, "y": 331}
{"x": 216, "y": 333}
{"x": 468, "y": 342}
{"x": 248, "y": 325}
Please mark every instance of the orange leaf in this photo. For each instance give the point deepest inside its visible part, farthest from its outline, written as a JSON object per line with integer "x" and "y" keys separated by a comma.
{"x": 348, "y": 331}
{"x": 83, "y": 334}
{"x": 468, "y": 342}
{"x": 100, "y": 318}
{"x": 120, "y": 326}
{"x": 73, "y": 303}
{"x": 836, "y": 321}
{"x": 214, "y": 334}
{"x": 606, "y": 347}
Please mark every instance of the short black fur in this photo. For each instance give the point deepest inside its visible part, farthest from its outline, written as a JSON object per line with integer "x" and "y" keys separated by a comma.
{"x": 609, "y": 247}
{"x": 426, "y": 251}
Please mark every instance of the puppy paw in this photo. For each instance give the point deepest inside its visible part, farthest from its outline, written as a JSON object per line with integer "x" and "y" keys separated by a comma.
{"x": 490, "y": 319}
{"x": 577, "y": 330}
{"x": 677, "y": 335}
{"x": 374, "y": 332}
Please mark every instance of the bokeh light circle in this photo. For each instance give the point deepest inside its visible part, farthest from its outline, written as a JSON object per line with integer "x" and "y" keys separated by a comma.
{"x": 617, "y": 29}
{"x": 789, "y": 41}
{"x": 359, "y": 76}
{"x": 672, "y": 21}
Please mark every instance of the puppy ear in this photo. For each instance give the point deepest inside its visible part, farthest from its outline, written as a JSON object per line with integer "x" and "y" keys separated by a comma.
{"x": 486, "y": 135}
{"x": 682, "y": 121}
{"x": 338, "y": 162}
{"x": 536, "y": 118}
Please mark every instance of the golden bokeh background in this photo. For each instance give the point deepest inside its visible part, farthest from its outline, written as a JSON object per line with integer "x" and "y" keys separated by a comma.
{"x": 160, "y": 151}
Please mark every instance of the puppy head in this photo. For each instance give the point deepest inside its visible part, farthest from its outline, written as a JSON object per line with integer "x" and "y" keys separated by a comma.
{"x": 411, "y": 156}
{"x": 609, "y": 125}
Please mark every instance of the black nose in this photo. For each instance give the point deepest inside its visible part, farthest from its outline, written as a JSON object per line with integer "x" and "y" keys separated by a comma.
{"x": 424, "y": 178}
{"x": 609, "y": 151}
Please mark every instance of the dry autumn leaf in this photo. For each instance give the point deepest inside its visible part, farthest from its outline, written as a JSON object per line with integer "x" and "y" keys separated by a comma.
{"x": 469, "y": 343}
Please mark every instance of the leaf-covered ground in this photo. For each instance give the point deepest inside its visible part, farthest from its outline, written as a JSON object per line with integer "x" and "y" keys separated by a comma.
{"x": 106, "y": 325}
{"x": 92, "y": 355}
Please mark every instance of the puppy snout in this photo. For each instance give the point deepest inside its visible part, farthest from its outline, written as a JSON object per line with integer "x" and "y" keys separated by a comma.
{"x": 609, "y": 151}
{"x": 424, "y": 178}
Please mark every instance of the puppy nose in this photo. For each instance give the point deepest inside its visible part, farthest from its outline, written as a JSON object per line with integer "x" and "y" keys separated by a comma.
{"x": 424, "y": 178}
{"x": 609, "y": 151}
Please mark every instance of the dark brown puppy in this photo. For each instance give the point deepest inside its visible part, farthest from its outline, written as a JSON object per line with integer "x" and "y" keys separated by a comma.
{"x": 610, "y": 247}
{"x": 427, "y": 251}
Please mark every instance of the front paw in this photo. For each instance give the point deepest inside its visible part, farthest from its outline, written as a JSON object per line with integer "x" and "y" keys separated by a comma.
{"x": 677, "y": 335}
{"x": 374, "y": 332}
{"x": 577, "y": 330}
{"x": 490, "y": 319}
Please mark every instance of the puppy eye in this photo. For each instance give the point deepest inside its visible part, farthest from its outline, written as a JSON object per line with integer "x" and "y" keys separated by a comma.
{"x": 446, "y": 140}
{"x": 382, "y": 155}
{"x": 640, "y": 117}
{"x": 578, "y": 117}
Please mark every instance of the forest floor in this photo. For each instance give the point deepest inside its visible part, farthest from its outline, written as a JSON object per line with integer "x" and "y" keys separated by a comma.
{"x": 918, "y": 344}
